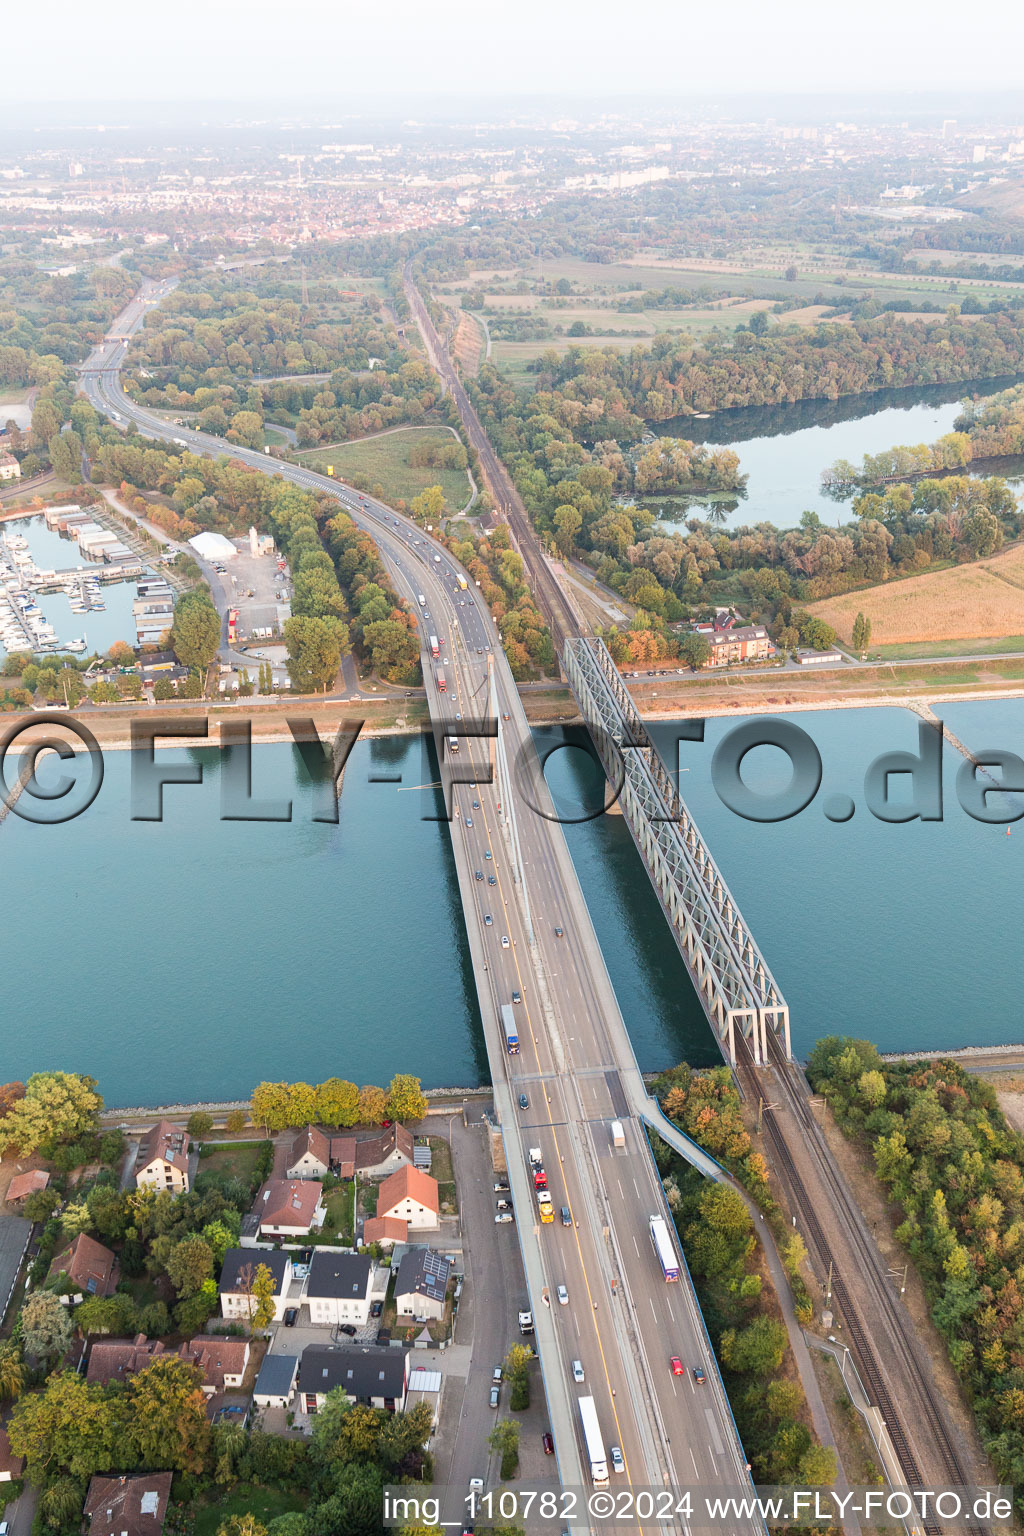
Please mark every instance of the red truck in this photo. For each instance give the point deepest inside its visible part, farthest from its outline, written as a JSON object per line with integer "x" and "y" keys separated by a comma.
{"x": 540, "y": 1179}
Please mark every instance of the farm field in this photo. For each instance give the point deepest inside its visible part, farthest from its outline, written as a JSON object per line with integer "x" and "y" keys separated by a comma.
{"x": 384, "y": 460}
{"x": 980, "y": 601}
{"x": 1006, "y": 645}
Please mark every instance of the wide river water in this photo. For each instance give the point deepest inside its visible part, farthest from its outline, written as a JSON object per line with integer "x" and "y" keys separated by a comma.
{"x": 191, "y": 958}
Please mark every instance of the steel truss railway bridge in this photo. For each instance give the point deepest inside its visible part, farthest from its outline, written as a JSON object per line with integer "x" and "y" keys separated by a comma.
{"x": 729, "y": 972}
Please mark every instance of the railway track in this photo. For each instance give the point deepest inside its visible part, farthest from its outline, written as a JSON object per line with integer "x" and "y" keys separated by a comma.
{"x": 558, "y": 612}
{"x": 905, "y": 1355}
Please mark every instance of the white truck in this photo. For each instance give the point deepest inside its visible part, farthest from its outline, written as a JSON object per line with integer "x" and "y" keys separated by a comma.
{"x": 526, "y": 1322}
{"x": 618, "y": 1134}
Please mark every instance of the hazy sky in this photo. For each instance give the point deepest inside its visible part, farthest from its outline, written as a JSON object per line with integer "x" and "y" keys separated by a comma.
{"x": 346, "y": 50}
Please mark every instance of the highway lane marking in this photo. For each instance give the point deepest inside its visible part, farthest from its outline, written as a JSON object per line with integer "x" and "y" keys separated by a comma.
{"x": 561, "y": 1159}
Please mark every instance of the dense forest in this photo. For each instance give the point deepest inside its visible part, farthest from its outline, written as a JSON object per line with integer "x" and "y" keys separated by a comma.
{"x": 48, "y": 319}
{"x": 723, "y": 1254}
{"x": 955, "y": 1171}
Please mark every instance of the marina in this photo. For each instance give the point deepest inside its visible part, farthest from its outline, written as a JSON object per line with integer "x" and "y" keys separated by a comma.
{"x": 75, "y": 594}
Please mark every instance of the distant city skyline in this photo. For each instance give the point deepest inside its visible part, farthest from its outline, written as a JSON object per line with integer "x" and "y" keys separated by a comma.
{"x": 113, "y": 52}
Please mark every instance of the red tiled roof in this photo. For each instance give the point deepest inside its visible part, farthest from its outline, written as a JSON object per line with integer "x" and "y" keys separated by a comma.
{"x": 385, "y": 1229}
{"x": 25, "y": 1184}
{"x": 128, "y": 1506}
{"x": 167, "y": 1141}
{"x": 216, "y": 1357}
{"x": 407, "y": 1183}
{"x": 92, "y": 1267}
{"x": 288, "y": 1202}
{"x": 117, "y": 1359}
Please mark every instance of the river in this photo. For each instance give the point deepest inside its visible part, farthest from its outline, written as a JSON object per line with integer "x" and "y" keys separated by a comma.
{"x": 191, "y": 958}
{"x": 783, "y": 449}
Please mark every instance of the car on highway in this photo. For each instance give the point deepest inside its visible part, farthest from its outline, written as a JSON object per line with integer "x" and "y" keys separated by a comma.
{"x": 559, "y": 933}
{"x": 618, "y": 1465}
{"x": 563, "y": 1296}
{"x": 577, "y": 1371}
{"x": 495, "y": 1396}
{"x": 469, "y": 821}
{"x": 517, "y": 997}
{"x": 487, "y": 853}
{"x": 479, "y": 873}
{"x": 548, "y": 1444}
{"x": 488, "y": 920}
{"x": 566, "y": 1217}
{"x": 476, "y": 805}
{"x": 492, "y": 879}
{"x": 503, "y": 1217}
{"x": 677, "y": 1366}
{"x": 504, "y": 941}
{"x": 524, "y": 1102}
{"x": 291, "y": 1313}
{"x": 699, "y": 1377}
{"x": 497, "y": 1374}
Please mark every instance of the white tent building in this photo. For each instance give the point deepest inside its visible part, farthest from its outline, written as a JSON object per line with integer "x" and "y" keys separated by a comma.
{"x": 213, "y": 546}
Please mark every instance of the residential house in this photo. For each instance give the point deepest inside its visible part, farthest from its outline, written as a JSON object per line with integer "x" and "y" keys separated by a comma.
{"x": 236, "y": 1277}
{"x": 163, "y": 1158}
{"x": 25, "y": 1184}
{"x": 289, "y": 1207}
{"x": 411, "y": 1195}
{"x": 385, "y": 1230}
{"x": 10, "y": 469}
{"x": 338, "y": 1288}
{"x": 422, "y": 1284}
{"x": 11, "y": 1466}
{"x": 134, "y": 1505}
{"x": 222, "y": 1360}
{"x": 744, "y": 642}
{"x": 276, "y": 1381}
{"x": 90, "y": 1266}
{"x": 368, "y": 1374}
{"x": 371, "y": 1153}
{"x": 117, "y": 1359}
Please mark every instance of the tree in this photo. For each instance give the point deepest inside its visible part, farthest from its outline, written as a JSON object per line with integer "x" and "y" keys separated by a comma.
{"x": 70, "y": 1427}
{"x": 57, "y": 1107}
{"x": 758, "y": 1348}
{"x": 121, "y": 654}
{"x": 199, "y": 1124}
{"x": 406, "y": 1100}
{"x": 504, "y": 1437}
{"x": 235, "y": 1121}
{"x": 167, "y": 1426}
{"x": 263, "y": 1287}
{"x": 195, "y": 633}
{"x": 242, "y": 1525}
{"x": 695, "y": 650}
{"x": 568, "y": 522}
{"x": 189, "y": 1264}
{"x": 861, "y": 633}
{"x": 269, "y": 1106}
{"x": 46, "y": 1327}
{"x": 337, "y": 1102}
{"x": 314, "y": 648}
{"x": 373, "y": 1105}
{"x": 60, "y": 1503}
{"x": 759, "y": 322}
{"x": 12, "y": 1372}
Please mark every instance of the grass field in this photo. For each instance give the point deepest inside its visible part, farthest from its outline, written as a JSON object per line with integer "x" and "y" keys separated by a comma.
{"x": 244, "y": 1499}
{"x": 384, "y": 461}
{"x": 1005, "y": 645}
{"x": 232, "y": 1159}
{"x": 981, "y": 601}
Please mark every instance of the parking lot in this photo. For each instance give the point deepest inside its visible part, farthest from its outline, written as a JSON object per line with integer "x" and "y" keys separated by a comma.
{"x": 254, "y": 585}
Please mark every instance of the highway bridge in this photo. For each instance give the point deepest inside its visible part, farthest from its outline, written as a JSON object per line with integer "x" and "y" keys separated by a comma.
{"x": 529, "y": 932}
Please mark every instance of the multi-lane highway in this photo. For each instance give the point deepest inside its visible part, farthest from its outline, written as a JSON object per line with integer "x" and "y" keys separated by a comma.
{"x": 575, "y": 1068}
